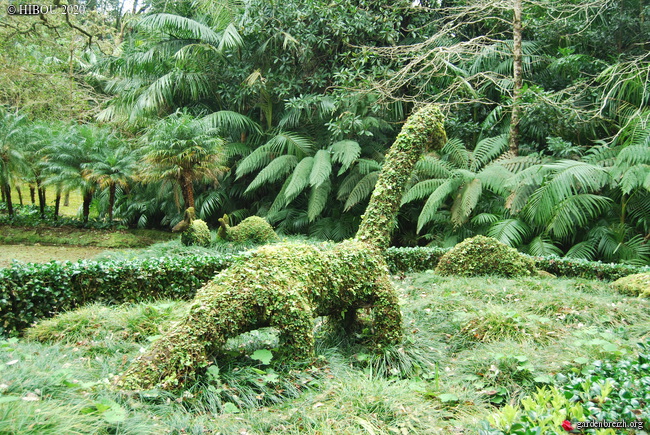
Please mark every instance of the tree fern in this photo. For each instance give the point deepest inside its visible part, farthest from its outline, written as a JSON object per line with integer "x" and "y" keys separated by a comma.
{"x": 279, "y": 167}
{"x": 466, "y": 200}
{"x": 436, "y": 199}
{"x": 486, "y": 150}
{"x": 299, "y": 180}
{"x": 430, "y": 166}
{"x": 321, "y": 169}
{"x": 456, "y": 153}
{"x": 574, "y": 212}
{"x": 421, "y": 190}
{"x": 362, "y": 190}
{"x": 345, "y": 152}
{"x": 318, "y": 199}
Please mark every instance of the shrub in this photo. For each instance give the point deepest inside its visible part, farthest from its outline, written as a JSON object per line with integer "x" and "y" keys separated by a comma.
{"x": 634, "y": 285}
{"x": 482, "y": 255}
{"x": 33, "y": 291}
{"x": 197, "y": 234}
{"x": 413, "y": 259}
{"x": 574, "y": 267}
{"x": 607, "y": 392}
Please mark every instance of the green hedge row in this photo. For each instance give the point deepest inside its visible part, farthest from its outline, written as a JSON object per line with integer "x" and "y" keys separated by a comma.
{"x": 32, "y": 291}
{"x": 421, "y": 259}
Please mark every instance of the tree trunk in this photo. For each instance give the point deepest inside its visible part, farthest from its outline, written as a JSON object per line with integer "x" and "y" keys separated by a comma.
{"x": 517, "y": 72}
{"x": 423, "y": 130}
{"x": 187, "y": 190}
{"x": 7, "y": 193}
{"x": 111, "y": 201}
{"x": 20, "y": 195}
{"x": 32, "y": 194}
{"x": 87, "y": 199}
{"x": 57, "y": 203}
{"x": 41, "y": 199}
{"x": 66, "y": 199}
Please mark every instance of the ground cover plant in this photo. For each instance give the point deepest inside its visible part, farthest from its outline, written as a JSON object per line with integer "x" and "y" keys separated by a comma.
{"x": 56, "y": 379}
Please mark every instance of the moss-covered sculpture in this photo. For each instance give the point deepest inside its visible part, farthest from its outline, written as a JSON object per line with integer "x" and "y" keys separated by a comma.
{"x": 482, "y": 255}
{"x": 287, "y": 285}
{"x": 253, "y": 229}
{"x": 634, "y": 285}
{"x": 194, "y": 232}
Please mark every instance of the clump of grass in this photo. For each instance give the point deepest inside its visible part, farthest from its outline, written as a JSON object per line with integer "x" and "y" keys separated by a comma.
{"x": 496, "y": 324}
{"x": 137, "y": 322}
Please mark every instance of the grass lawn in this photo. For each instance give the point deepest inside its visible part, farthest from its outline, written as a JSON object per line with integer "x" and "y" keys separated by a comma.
{"x": 71, "y": 210}
{"x": 472, "y": 345}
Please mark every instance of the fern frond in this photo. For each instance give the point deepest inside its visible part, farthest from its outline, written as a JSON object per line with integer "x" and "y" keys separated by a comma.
{"x": 362, "y": 190}
{"x": 455, "y": 152}
{"x": 259, "y": 158}
{"x": 279, "y": 167}
{"x": 512, "y": 232}
{"x": 575, "y": 212}
{"x": 345, "y": 152}
{"x": 280, "y": 201}
{"x": 436, "y": 199}
{"x": 367, "y": 166}
{"x": 318, "y": 199}
{"x": 299, "y": 180}
{"x": 465, "y": 202}
{"x": 485, "y": 219}
{"x": 421, "y": 190}
{"x": 321, "y": 169}
{"x": 348, "y": 183}
{"x": 430, "y": 166}
{"x": 291, "y": 143}
{"x": 486, "y": 150}
{"x": 495, "y": 178}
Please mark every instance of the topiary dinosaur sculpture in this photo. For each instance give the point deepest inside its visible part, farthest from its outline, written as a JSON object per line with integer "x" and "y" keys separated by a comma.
{"x": 194, "y": 232}
{"x": 252, "y": 229}
{"x": 287, "y": 285}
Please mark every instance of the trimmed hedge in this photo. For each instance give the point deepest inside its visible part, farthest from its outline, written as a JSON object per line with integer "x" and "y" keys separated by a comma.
{"x": 32, "y": 291}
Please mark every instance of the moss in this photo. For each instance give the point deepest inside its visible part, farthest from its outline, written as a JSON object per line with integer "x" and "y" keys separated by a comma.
{"x": 284, "y": 286}
{"x": 196, "y": 234}
{"x": 252, "y": 229}
{"x": 482, "y": 255}
{"x": 423, "y": 131}
{"x": 634, "y": 285}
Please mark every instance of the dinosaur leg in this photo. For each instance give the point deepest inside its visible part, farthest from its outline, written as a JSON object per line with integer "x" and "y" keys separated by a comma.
{"x": 387, "y": 317}
{"x": 293, "y": 317}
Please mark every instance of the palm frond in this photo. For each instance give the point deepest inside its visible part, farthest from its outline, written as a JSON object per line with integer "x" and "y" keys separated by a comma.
{"x": 542, "y": 247}
{"x": 180, "y": 26}
{"x": 575, "y": 212}
{"x": 227, "y": 121}
{"x": 485, "y": 219}
{"x": 512, "y": 232}
{"x": 585, "y": 250}
{"x": 291, "y": 143}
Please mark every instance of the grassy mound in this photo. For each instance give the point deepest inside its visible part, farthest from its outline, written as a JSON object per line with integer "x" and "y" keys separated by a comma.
{"x": 482, "y": 255}
{"x": 634, "y": 285}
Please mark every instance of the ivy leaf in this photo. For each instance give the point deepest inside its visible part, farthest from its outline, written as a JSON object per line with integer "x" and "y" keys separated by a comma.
{"x": 262, "y": 355}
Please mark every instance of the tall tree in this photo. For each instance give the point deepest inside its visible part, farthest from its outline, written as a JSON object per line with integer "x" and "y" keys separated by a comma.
{"x": 183, "y": 150}
{"x": 12, "y": 162}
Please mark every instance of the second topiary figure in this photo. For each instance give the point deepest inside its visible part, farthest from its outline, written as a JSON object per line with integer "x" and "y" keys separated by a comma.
{"x": 253, "y": 229}
{"x": 194, "y": 232}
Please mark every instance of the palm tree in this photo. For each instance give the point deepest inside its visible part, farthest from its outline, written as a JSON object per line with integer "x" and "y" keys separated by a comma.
{"x": 12, "y": 162}
{"x": 113, "y": 167}
{"x": 183, "y": 150}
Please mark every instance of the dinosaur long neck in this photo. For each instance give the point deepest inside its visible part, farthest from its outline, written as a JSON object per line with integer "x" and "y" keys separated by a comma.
{"x": 422, "y": 131}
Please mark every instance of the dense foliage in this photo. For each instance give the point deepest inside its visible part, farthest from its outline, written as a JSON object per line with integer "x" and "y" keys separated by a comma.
{"x": 197, "y": 234}
{"x": 285, "y": 111}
